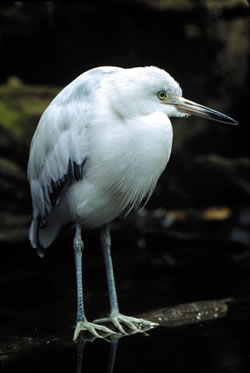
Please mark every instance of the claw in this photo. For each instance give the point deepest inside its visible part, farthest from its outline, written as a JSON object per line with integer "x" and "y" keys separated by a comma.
{"x": 92, "y": 329}
{"x": 128, "y": 321}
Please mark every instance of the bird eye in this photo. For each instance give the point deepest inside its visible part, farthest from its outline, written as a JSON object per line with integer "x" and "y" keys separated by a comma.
{"x": 162, "y": 95}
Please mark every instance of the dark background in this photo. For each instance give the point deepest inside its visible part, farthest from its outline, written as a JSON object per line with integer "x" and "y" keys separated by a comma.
{"x": 203, "y": 45}
{"x": 192, "y": 242}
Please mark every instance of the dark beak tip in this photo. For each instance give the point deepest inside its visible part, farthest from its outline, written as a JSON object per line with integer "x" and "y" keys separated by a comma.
{"x": 234, "y": 122}
{"x": 224, "y": 119}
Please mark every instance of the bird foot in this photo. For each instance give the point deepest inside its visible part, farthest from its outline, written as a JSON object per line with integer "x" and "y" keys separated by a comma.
{"x": 135, "y": 324}
{"x": 92, "y": 328}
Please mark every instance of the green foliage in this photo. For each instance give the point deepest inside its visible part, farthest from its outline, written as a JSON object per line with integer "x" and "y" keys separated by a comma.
{"x": 20, "y": 109}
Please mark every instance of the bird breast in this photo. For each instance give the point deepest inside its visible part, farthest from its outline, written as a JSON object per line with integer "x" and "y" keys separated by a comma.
{"x": 124, "y": 163}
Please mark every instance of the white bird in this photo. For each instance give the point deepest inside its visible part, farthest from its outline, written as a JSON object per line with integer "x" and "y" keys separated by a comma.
{"x": 97, "y": 153}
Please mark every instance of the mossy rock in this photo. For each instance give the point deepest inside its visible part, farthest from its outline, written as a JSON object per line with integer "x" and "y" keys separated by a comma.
{"x": 20, "y": 109}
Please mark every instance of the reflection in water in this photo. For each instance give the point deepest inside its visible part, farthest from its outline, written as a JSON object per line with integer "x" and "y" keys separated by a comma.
{"x": 112, "y": 339}
{"x": 111, "y": 361}
{"x": 168, "y": 317}
{"x": 179, "y": 315}
{"x": 80, "y": 350}
{"x": 112, "y": 354}
{"x": 23, "y": 349}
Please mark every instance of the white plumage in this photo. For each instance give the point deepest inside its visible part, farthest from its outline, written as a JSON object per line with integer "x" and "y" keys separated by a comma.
{"x": 100, "y": 147}
{"x": 92, "y": 121}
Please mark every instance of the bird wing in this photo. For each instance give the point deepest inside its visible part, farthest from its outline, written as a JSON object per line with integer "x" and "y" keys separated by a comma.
{"x": 57, "y": 155}
{"x": 59, "y": 147}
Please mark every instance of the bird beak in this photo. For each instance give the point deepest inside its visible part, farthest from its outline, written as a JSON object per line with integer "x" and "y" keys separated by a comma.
{"x": 192, "y": 108}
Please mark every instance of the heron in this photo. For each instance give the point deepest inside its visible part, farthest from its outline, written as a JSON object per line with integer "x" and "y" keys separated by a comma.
{"x": 97, "y": 154}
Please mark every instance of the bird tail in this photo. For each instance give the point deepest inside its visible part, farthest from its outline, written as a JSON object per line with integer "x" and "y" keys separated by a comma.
{"x": 41, "y": 238}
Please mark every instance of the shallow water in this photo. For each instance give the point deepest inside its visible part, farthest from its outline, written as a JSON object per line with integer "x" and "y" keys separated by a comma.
{"x": 219, "y": 345}
{"x": 195, "y": 332}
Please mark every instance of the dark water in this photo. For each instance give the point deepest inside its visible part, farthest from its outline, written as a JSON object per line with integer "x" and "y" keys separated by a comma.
{"x": 38, "y": 309}
{"x": 219, "y": 346}
{"x": 214, "y": 346}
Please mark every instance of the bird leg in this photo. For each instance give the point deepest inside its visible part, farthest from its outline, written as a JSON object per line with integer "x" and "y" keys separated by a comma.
{"x": 82, "y": 322}
{"x": 116, "y": 318}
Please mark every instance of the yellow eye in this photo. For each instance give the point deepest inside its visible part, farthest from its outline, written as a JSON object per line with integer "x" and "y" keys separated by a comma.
{"x": 162, "y": 95}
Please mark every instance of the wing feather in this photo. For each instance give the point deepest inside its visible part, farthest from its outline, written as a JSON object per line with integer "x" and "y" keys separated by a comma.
{"x": 57, "y": 154}
{"x": 59, "y": 147}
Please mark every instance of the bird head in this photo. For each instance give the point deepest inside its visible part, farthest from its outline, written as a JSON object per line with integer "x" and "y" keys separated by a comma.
{"x": 144, "y": 90}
